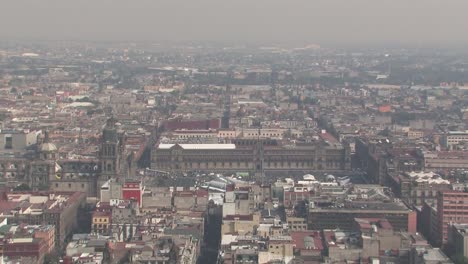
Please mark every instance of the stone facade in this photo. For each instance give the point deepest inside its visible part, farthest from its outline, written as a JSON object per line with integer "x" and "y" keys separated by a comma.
{"x": 255, "y": 157}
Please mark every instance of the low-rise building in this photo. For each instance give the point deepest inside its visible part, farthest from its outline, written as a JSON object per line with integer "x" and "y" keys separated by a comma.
{"x": 101, "y": 222}
{"x": 445, "y": 160}
{"x": 308, "y": 245}
{"x": 423, "y": 255}
{"x": 336, "y": 215}
{"x": 58, "y": 209}
{"x": 32, "y": 241}
{"x": 240, "y": 224}
{"x": 341, "y": 246}
{"x": 415, "y": 188}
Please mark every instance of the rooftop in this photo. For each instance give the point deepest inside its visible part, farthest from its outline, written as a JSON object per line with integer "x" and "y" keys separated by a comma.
{"x": 364, "y": 206}
{"x": 198, "y": 146}
{"x": 307, "y": 240}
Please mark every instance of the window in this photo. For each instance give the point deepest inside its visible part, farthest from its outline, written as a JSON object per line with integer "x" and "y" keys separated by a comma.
{"x": 69, "y": 185}
{"x": 8, "y": 142}
{"x": 82, "y": 185}
{"x": 56, "y": 185}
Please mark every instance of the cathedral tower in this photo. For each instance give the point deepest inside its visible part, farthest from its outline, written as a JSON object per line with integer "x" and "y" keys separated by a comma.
{"x": 110, "y": 152}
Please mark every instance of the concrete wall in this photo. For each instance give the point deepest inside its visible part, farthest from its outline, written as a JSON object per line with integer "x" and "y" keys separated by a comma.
{"x": 19, "y": 140}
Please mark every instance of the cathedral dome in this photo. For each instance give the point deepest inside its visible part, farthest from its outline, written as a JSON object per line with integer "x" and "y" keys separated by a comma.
{"x": 48, "y": 147}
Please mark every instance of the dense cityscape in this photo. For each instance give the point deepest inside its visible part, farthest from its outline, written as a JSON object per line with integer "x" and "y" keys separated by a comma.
{"x": 201, "y": 153}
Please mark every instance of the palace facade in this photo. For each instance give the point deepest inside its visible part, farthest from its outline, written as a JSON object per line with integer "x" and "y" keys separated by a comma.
{"x": 252, "y": 156}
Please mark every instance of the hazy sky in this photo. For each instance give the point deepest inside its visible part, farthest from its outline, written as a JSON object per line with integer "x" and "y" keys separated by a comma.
{"x": 416, "y": 22}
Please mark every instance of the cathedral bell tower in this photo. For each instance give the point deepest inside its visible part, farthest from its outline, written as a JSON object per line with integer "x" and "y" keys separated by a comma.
{"x": 110, "y": 152}
{"x": 44, "y": 167}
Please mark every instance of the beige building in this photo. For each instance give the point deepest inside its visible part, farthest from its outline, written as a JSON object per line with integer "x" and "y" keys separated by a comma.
{"x": 238, "y": 202}
{"x": 296, "y": 223}
{"x": 440, "y": 160}
{"x": 184, "y": 200}
{"x": 156, "y": 197}
{"x": 17, "y": 140}
{"x": 240, "y": 224}
{"x": 280, "y": 248}
{"x": 453, "y": 138}
{"x": 415, "y": 134}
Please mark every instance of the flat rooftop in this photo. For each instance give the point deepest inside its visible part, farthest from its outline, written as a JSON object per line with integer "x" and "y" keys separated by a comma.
{"x": 198, "y": 146}
{"x": 363, "y": 207}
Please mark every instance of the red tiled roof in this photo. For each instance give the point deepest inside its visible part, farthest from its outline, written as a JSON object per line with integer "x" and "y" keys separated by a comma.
{"x": 8, "y": 206}
{"x": 330, "y": 237}
{"x": 299, "y": 239}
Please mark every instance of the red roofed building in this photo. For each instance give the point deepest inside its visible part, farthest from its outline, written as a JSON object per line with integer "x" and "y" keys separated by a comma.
{"x": 308, "y": 245}
{"x": 25, "y": 247}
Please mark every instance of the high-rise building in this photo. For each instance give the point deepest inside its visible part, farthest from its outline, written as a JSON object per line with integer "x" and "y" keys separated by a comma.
{"x": 452, "y": 207}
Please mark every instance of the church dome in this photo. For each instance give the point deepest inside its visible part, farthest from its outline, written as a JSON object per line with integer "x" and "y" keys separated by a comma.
{"x": 48, "y": 147}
